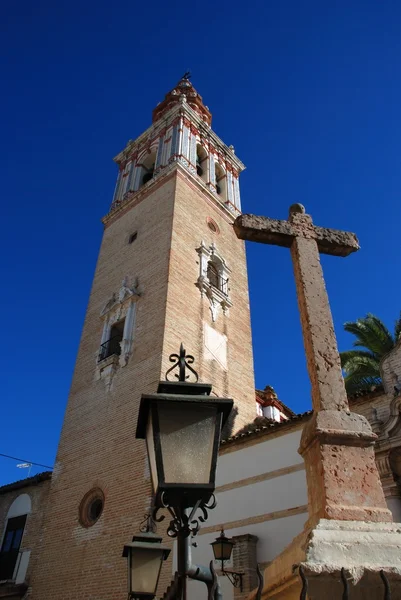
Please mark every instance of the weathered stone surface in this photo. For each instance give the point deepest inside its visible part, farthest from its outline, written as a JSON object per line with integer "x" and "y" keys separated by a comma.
{"x": 328, "y": 391}
{"x": 264, "y": 230}
{"x": 306, "y": 241}
{"x": 362, "y": 549}
{"x": 281, "y": 233}
{"x": 337, "y": 446}
{"x": 342, "y": 476}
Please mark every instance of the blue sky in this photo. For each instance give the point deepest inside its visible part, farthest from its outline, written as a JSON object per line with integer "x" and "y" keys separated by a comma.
{"x": 309, "y": 94}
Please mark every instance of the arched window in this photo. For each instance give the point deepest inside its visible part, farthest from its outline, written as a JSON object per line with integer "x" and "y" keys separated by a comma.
{"x": 201, "y": 162}
{"x": 15, "y": 525}
{"x": 213, "y": 274}
{"x": 221, "y": 181}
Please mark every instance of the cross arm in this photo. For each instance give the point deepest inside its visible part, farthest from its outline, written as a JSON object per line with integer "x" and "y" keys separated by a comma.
{"x": 264, "y": 230}
{"x": 335, "y": 241}
{"x": 282, "y": 233}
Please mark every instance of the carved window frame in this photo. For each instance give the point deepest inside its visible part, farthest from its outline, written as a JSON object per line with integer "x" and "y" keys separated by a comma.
{"x": 218, "y": 296}
{"x": 120, "y": 306}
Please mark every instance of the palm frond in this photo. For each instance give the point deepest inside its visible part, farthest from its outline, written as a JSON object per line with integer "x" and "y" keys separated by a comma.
{"x": 371, "y": 333}
{"x": 354, "y": 384}
{"x": 348, "y": 355}
{"x": 361, "y": 367}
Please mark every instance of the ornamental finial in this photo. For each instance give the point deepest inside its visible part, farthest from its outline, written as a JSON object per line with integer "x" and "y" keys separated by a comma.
{"x": 183, "y": 362}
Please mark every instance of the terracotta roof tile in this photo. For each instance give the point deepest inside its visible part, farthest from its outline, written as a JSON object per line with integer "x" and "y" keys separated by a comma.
{"x": 262, "y": 425}
{"x": 35, "y": 480}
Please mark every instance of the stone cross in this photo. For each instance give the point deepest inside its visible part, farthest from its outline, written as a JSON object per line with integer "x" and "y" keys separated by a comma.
{"x": 306, "y": 241}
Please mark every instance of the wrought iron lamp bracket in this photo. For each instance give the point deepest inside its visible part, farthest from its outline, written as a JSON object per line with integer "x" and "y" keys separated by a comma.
{"x": 183, "y": 522}
{"x": 233, "y": 577}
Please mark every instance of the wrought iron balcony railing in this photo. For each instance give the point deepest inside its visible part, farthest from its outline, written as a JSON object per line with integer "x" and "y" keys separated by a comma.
{"x": 221, "y": 284}
{"x": 112, "y": 346}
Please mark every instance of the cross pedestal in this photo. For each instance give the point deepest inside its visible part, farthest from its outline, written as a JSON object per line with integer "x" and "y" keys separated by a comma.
{"x": 344, "y": 488}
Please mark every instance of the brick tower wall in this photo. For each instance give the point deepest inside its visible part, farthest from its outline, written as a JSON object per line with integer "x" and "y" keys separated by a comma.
{"x": 97, "y": 446}
{"x": 188, "y": 313}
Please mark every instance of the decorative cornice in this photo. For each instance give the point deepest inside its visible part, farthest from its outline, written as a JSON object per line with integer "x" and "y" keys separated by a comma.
{"x": 205, "y": 132}
{"x": 132, "y": 199}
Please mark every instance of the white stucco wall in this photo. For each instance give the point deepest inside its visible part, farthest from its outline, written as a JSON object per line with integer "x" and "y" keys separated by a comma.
{"x": 261, "y": 490}
{"x": 266, "y": 501}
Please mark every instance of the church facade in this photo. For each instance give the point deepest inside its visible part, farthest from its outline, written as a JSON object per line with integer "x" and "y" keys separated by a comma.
{"x": 170, "y": 270}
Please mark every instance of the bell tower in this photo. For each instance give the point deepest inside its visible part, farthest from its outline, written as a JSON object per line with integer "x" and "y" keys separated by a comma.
{"x": 170, "y": 270}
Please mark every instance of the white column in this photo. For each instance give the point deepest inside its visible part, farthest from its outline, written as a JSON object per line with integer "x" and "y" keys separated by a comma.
{"x": 185, "y": 142}
{"x": 130, "y": 185}
{"x": 212, "y": 174}
{"x": 137, "y": 177}
{"x": 106, "y": 331}
{"x": 117, "y": 188}
{"x": 126, "y": 177}
{"x": 237, "y": 198}
{"x": 159, "y": 157}
{"x": 204, "y": 255}
{"x": 230, "y": 188}
{"x": 193, "y": 150}
{"x": 128, "y": 334}
{"x": 174, "y": 141}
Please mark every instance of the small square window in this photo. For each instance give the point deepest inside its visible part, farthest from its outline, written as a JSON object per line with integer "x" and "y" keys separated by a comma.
{"x": 133, "y": 237}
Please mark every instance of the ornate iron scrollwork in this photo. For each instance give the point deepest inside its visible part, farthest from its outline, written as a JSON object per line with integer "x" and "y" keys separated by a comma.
{"x": 234, "y": 578}
{"x": 183, "y": 362}
{"x": 344, "y": 580}
{"x": 183, "y": 521}
{"x": 213, "y": 587}
{"x": 304, "y": 590}
{"x": 345, "y": 584}
{"x": 148, "y": 524}
{"x": 260, "y": 584}
{"x": 387, "y": 591}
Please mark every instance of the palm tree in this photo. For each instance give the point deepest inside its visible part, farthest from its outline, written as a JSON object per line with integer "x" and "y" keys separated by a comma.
{"x": 361, "y": 367}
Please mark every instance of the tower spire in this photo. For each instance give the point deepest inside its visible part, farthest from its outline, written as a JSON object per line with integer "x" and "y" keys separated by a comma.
{"x": 184, "y": 91}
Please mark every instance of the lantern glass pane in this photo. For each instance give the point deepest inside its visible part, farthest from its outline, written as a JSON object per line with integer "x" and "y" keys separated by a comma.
{"x": 145, "y": 568}
{"x": 222, "y": 549}
{"x": 187, "y": 438}
{"x": 151, "y": 452}
{"x": 226, "y": 549}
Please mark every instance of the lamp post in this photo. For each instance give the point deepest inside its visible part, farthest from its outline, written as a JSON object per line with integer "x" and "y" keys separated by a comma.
{"x": 182, "y": 426}
{"x": 222, "y": 550}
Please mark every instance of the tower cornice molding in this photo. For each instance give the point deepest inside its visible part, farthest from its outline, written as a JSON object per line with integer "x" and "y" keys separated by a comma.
{"x": 135, "y": 198}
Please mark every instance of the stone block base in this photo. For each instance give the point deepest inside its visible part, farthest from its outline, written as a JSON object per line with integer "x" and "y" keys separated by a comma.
{"x": 363, "y": 549}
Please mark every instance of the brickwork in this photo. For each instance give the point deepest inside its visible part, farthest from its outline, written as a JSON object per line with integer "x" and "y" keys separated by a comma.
{"x": 97, "y": 446}
{"x": 245, "y": 562}
{"x": 32, "y": 538}
{"x": 188, "y": 312}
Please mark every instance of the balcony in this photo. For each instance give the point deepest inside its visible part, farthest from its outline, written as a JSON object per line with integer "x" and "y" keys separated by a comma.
{"x": 110, "y": 348}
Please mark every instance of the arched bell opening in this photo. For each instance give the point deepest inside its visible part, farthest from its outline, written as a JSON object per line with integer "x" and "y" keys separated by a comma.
{"x": 221, "y": 181}
{"x": 201, "y": 162}
{"x": 147, "y": 168}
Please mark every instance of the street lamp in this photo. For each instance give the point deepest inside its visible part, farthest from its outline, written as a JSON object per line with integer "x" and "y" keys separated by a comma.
{"x": 182, "y": 426}
{"x": 145, "y": 556}
{"x": 222, "y": 550}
